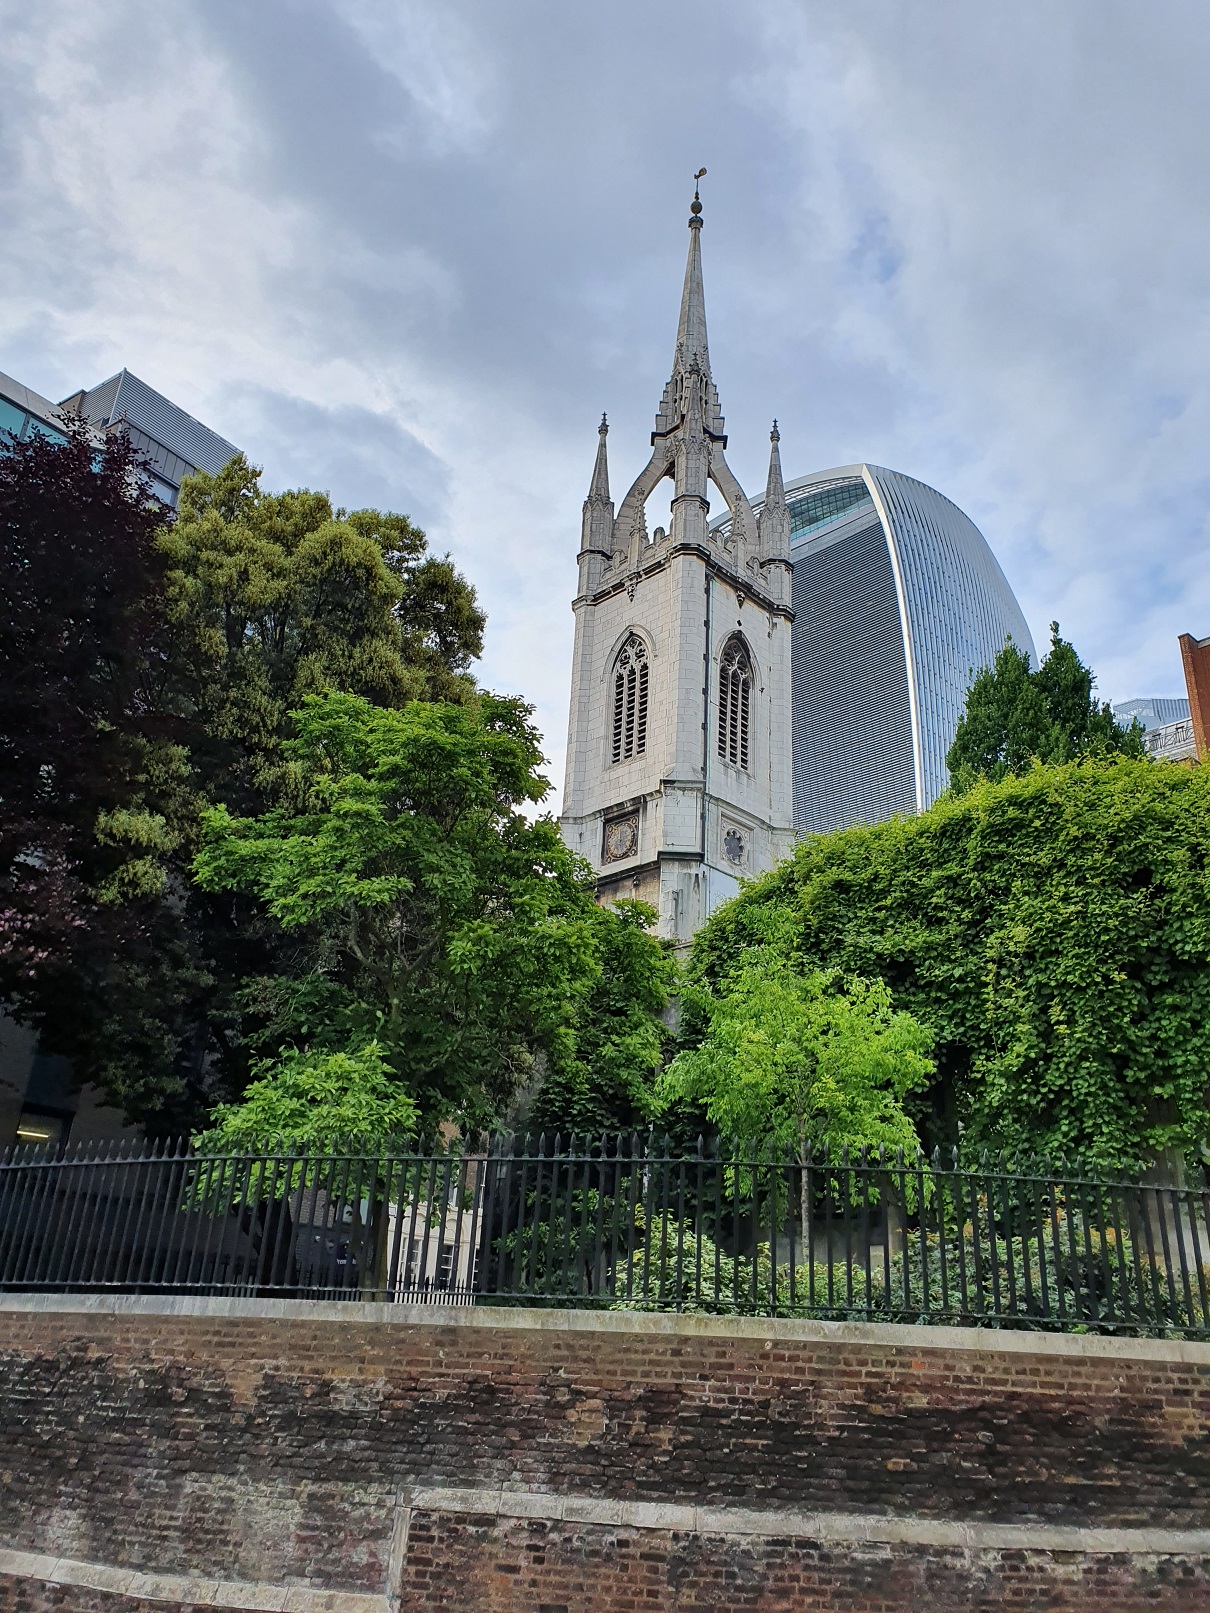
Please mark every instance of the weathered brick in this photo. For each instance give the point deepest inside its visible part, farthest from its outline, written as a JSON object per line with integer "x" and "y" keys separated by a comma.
{"x": 273, "y": 1449}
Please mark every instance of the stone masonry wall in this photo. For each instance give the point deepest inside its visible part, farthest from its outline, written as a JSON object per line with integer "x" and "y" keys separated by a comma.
{"x": 299, "y": 1456}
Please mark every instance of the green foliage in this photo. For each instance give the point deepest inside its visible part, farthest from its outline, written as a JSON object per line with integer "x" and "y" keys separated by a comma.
{"x": 423, "y": 908}
{"x": 1015, "y": 717}
{"x": 151, "y": 663}
{"x": 311, "y": 1102}
{"x": 274, "y": 597}
{"x": 1052, "y": 931}
{"x": 96, "y": 798}
{"x": 799, "y": 1060}
{"x": 606, "y": 1082}
{"x": 1073, "y": 1275}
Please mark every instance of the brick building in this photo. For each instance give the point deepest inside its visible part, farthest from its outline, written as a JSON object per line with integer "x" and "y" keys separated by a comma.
{"x": 1195, "y": 657}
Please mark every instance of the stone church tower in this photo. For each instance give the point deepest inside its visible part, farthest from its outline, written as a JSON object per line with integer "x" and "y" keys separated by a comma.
{"x": 678, "y": 759}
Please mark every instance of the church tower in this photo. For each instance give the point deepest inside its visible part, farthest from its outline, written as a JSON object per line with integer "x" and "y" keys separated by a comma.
{"x": 678, "y": 759}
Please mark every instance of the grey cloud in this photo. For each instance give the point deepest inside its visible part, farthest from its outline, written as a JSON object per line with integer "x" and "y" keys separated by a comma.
{"x": 410, "y": 248}
{"x": 363, "y": 460}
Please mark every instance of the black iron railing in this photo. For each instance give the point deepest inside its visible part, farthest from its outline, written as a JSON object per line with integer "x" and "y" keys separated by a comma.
{"x": 619, "y": 1223}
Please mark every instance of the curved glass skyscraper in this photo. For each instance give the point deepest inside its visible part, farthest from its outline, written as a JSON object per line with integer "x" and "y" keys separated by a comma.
{"x": 897, "y": 600}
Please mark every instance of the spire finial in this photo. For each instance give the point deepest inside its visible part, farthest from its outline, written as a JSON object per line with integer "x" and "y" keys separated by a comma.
{"x": 775, "y": 435}
{"x": 695, "y": 206}
{"x": 599, "y": 487}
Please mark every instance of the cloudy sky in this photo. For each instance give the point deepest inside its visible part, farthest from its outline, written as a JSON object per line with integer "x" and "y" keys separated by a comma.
{"x": 408, "y": 250}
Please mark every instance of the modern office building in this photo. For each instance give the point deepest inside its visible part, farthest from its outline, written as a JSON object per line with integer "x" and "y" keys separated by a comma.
{"x": 24, "y": 413}
{"x": 1154, "y": 711}
{"x": 1167, "y": 724}
{"x": 897, "y": 602}
{"x": 172, "y": 442}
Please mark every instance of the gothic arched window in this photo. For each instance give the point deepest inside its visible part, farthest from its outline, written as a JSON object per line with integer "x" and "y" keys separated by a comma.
{"x": 630, "y": 700}
{"x": 735, "y": 705}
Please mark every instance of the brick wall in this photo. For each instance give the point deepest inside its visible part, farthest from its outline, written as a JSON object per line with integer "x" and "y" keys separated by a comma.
{"x": 370, "y": 1457}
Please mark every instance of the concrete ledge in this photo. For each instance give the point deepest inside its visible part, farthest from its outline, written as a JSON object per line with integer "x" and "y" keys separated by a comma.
{"x": 189, "y": 1588}
{"x": 767, "y": 1330}
{"x": 825, "y": 1527}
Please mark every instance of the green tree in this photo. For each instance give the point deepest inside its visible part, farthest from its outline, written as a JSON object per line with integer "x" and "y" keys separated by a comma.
{"x": 1015, "y": 716}
{"x": 425, "y": 912}
{"x": 95, "y": 797}
{"x": 150, "y": 664}
{"x": 797, "y": 1060}
{"x": 269, "y": 598}
{"x": 606, "y": 1081}
{"x": 272, "y": 597}
{"x": 313, "y": 1102}
{"x": 1052, "y": 930}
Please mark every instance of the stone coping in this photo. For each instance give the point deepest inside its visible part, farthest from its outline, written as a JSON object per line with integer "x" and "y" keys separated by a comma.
{"x": 792, "y": 1523}
{"x": 195, "y": 1590}
{"x": 769, "y": 1331}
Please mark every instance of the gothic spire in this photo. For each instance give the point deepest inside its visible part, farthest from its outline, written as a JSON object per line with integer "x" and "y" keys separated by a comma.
{"x": 690, "y": 434}
{"x": 599, "y": 487}
{"x": 775, "y": 490}
{"x": 774, "y": 518}
{"x": 692, "y": 348}
{"x": 692, "y": 356}
{"x": 596, "y": 528}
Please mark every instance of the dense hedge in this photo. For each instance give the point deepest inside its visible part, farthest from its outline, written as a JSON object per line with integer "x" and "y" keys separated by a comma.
{"x": 1052, "y": 929}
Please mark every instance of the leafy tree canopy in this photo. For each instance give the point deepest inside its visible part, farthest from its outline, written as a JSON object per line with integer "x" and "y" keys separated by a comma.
{"x": 272, "y": 597}
{"x": 1015, "y": 716}
{"x": 1053, "y": 933}
{"x": 148, "y": 667}
{"x": 426, "y": 912}
{"x": 798, "y": 1059}
{"x": 313, "y": 1102}
{"x": 606, "y": 1081}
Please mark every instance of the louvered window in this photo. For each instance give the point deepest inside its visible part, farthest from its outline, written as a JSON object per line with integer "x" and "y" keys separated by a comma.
{"x": 630, "y": 701}
{"x": 735, "y": 705}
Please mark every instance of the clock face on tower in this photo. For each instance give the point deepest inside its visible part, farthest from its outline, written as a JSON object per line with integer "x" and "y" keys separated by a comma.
{"x": 621, "y": 838}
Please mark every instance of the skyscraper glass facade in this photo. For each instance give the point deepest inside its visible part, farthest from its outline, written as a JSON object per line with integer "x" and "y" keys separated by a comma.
{"x": 898, "y": 601}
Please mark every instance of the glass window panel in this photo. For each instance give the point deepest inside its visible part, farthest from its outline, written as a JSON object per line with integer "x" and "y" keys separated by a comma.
{"x": 12, "y": 419}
